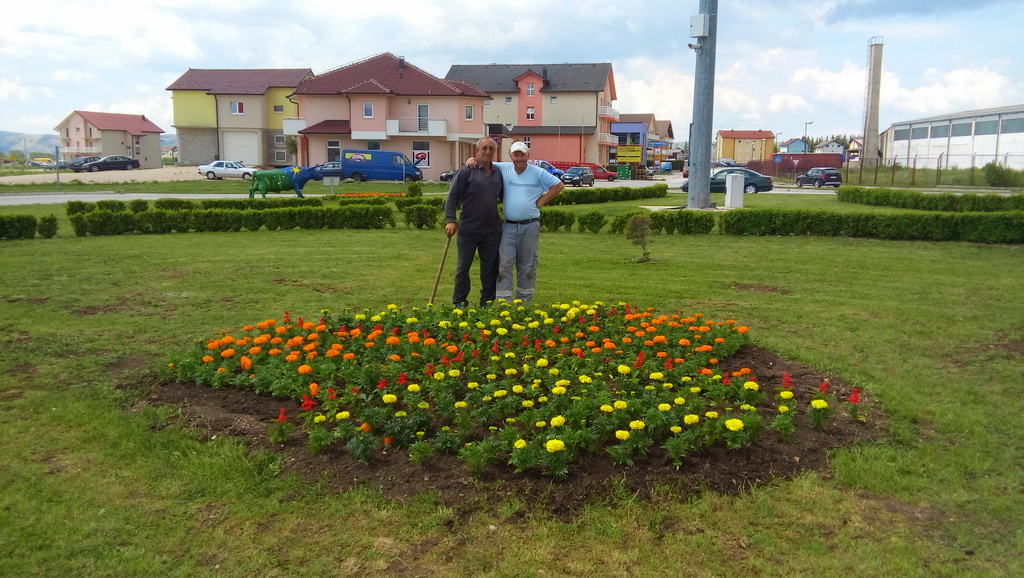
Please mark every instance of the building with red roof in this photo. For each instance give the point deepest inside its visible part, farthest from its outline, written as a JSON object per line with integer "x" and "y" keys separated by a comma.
{"x": 86, "y": 133}
{"x": 744, "y": 146}
{"x": 235, "y": 114}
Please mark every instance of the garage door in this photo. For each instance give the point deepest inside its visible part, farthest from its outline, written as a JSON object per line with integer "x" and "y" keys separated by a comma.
{"x": 242, "y": 146}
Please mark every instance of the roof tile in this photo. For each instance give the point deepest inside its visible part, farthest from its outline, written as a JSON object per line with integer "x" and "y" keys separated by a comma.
{"x": 384, "y": 74}
{"x": 134, "y": 124}
{"x": 239, "y": 81}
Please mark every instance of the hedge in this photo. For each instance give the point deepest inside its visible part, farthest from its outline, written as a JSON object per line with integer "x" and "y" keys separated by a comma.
{"x": 946, "y": 202}
{"x": 403, "y": 203}
{"x": 1006, "y": 227}
{"x": 584, "y": 196}
{"x": 18, "y": 226}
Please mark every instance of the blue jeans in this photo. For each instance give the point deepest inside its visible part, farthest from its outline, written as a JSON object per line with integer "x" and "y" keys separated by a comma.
{"x": 468, "y": 247}
{"x": 519, "y": 249}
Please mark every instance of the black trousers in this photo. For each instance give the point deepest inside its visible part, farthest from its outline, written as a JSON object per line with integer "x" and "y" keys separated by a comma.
{"x": 469, "y": 246}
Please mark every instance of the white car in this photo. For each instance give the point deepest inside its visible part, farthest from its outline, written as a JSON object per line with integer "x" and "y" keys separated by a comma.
{"x": 221, "y": 169}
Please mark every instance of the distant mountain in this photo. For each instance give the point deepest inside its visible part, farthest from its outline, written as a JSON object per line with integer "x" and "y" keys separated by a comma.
{"x": 45, "y": 143}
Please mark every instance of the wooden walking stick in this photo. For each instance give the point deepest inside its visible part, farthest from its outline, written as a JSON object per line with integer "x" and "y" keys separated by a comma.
{"x": 440, "y": 268}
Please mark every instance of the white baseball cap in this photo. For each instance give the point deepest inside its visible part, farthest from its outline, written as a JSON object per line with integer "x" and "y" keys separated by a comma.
{"x": 519, "y": 147}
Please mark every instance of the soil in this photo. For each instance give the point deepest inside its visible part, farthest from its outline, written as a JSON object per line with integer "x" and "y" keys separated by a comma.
{"x": 244, "y": 415}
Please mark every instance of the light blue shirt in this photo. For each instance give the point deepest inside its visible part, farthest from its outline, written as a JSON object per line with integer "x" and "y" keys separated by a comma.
{"x": 523, "y": 190}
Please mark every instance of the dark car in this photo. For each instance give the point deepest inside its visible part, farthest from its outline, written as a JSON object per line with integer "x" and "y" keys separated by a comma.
{"x": 820, "y": 177}
{"x": 111, "y": 163}
{"x": 578, "y": 176}
{"x": 76, "y": 165}
{"x": 753, "y": 181}
{"x": 331, "y": 169}
{"x": 448, "y": 175}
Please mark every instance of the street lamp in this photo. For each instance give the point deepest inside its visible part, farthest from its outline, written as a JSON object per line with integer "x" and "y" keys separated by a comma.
{"x": 805, "y": 129}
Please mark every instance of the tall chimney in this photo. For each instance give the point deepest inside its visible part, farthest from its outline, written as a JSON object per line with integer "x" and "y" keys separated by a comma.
{"x": 401, "y": 63}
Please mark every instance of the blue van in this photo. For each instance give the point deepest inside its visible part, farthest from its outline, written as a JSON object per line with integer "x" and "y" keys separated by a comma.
{"x": 362, "y": 165}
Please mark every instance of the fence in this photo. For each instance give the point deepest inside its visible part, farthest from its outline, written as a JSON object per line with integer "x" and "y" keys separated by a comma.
{"x": 914, "y": 171}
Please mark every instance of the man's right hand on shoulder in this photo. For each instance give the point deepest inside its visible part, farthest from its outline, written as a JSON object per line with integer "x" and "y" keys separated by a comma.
{"x": 471, "y": 162}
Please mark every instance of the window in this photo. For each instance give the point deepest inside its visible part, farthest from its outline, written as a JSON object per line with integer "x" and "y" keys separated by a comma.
{"x": 487, "y": 103}
{"x": 962, "y": 129}
{"x": 279, "y": 139}
{"x": 940, "y": 131}
{"x": 367, "y": 110}
{"x": 554, "y": 100}
{"x": 279, "y": 108}
{"x": 334, "y": 150}
{"x": 919, "y": 132}
{"x": 469, "y": 112}
{"x": 985, "y": 127}
{"x": 373, "y": 145}
{"x": 237, "y": 108}
{"x": 421, "y": 153}
{"x": 529, "y": 113}
{"x": 526, "y": 140}
{"x": 529, "y": 89}
{"x": 1012, "y": 125}
{"x": 280, "y": 156}
{"x": 508, "y": 100}
{"x": 901, "y": 134}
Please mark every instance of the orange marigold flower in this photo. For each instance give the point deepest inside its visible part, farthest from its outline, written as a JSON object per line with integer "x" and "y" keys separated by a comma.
{"x": 579, "y": 334}
{"x": 661, "y": 354}
{"x": 414, "y": 337}
{"x": 292, "y": 357}
{"x": 745, "y": 370}
{"x": 213, "y": 344}
{"x": 312, "y": 337}
{"x": 365, "y": 427}
{"x": 207, "y": 359}
{"x": 706, "y": 371}
{"x": 392, "y": 340}
{"x": 227, "y": 353}
{"x": 684, "y": 342}
{"x": 564, "y": 339}
{"x": 660, "y": 339}
{"x": 550, "y": 343}
{"x": 429, "y": 341}
{"x": 245, "y": 362}
{"x": 576, "y": 350}
{"x": 311, "y": 355}
{"x": 337, "y": 347}
{"x": 277, "y": 341}
{"x": 742, "y": 329}
{"x": 309, "y": 347}
{"x": 320, "y": 327}
{"x": 590, "y": 344}
{"x": 640, "y": 333}
{"x": 370, "y": 344}
{"x": 314, "y": 389}
{"x": 452, "y": 349}
{"x": 247, "y": 328}
{"x": 648, "y": 342}
{"x": 719, "y": 340}
{"x": 280, "y": 330}
{"x": 355, "y": 332}
{"x": 227, "y": 340}
{"x": 304, "y": 369}
{"x": 609, "y": 345}
{"x": 594, "y": 328}
{"x": 274, "y": 352}
{"x": 220, "y": 369}
{"x": 627, "y": 340}
{"x": 255, "y": 350}
{"x": 595, "y": 350}
{"x": 712, "y": 361}
{"x": 395, "y": 357}
{"x": 261, "y": 339}
{"x": 349, "y": 356}
{"x": 332, "y": 353}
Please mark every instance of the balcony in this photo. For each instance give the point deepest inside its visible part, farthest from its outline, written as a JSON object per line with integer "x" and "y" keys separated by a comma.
{"x": 607, "y": 139}
{"x": 608, "y": 112}
{"x": 80, "y": 150}
{"x": 416, "y": 126}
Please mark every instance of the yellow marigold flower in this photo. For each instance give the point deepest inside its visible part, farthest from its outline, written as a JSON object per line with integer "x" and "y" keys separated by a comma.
{"x": 619, "y": 404}
{"x": 747, "y": 407}
{"x": 400, "y": 414}
{"x": 520, "y": 444}
{"x": 734, "y": 424}
{"x": 751, "y": 385}
{"x": 444, "y": 324}
{"x": 541, "y": 424}
{"x": 527, "y": 403}
{"x": 625, "y": 369}
{"x": 439, "y": 375}
{"x": 650, "y": 387}
{"x": 501, "y": 331}
{"x": 819, "y": 404}
{"x": 783, "y": 409}
{"x": 542, "y": 362}
{"x": 460, "y": 404}
{"x": 558, "y": 390}
{"x": 637, "y": 424}
{"x": 409, "y": 320}
{"x": 511, "y": 371}
{"x": 554, "y": 446}
{"x": 657, "y": 376}
{"x": 694, "y": 390}
{"x": 786, "y": 394}
{"x": 557, "y": 421}
{"x": 342, "y": 415}
{"x": 622, "y": 434}
{"x": 664, "y": 407}
{"x": 711, "y": 414}
{"x": 586, "y": 379}
{"x": 691, "y": 419}
{"x": 453, "y": 373}
{"x": 607, "y": 408}
{"x": 542, "y": 398}
{"x": 320, "y": 418}
{"x": 553, "y": 371}
{"x": 676, "y": 429}
{"x": 472, "y": 385}
{"x": 679, "y": 400}
{"x": 423, "y": 405}
{"x": 517, "y": 389}
{"x": 491, "y": 376}
{"x": 389, "y": 398}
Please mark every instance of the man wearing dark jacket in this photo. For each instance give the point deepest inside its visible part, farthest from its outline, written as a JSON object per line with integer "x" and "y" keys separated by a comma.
{"x": 477, "y": 192}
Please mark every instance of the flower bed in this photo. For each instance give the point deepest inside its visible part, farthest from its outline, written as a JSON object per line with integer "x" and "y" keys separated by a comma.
{"x": 537, "y": 387}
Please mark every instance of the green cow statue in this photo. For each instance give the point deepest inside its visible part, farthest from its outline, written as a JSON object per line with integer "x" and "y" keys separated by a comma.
{"x": 279, "y": 180}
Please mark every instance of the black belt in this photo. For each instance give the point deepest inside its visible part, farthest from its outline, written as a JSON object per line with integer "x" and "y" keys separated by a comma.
{"x": 526, "y": 222}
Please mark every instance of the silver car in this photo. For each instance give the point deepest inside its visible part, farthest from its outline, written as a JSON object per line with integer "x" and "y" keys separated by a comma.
{"x": 222, "y": 169}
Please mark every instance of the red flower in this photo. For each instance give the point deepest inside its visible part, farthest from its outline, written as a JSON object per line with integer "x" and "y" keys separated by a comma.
{"x": 282, "y": 417}
{"x": 331, "y": 394}
{"x": 668, "y": 364}
{"x": 394, "y": 331}
{"x": 430, "y": 370}
{"x": 579, "y": 354}
{"x": 556, "y": 329}
{"x": 854, "y": 397}
{"x": 307, "y": 404}
{"x": 354, "y": 390}
{"x": 287, "y": 319}
{"x": 301, "y": 322}
{"x": 823, "y": 387}
{"x": 402, "y": 379}
{"x": 387, "y": 441}
{"x": 639, "y": 360}
{"x": 382, "y": 384}
{"x": 365, "y": 427}
{"x": 725, "y": 380}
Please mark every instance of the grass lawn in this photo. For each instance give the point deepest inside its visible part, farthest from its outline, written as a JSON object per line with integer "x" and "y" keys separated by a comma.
{"x": 95, "y": 486}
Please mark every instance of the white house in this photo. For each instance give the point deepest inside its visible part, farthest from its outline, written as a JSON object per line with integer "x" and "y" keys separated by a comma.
{"x": 964, "y": 139}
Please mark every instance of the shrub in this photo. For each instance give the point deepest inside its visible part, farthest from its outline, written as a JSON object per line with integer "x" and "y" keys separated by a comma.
{"x": 155, "y": 222}
{"x": 103, "y": 223}
{"x": 639, "y": 232}
{"x": 414, "y": 189}
{"x": 174, "y": 204}
{"x": 77, "y": 207}
{"x": 18, "y": 226}
{"x": 620, "y": 223}
{"x": 553, "y": 219}
{"x": 112, "y": 205}
{"x": 48, "y": 226}
{"x": 138, "y": 205}
{"x": 402, "y": 204}
{"x": 999, "y": 176}
{"x": 421, "y": 216}
{"x": 78, "y": 224}
{"x": 591, "y": 221}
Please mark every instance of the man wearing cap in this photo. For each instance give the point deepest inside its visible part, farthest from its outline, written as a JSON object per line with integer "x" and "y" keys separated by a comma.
{"x": 477, "y": 192}
{"x": 527, "y": 189}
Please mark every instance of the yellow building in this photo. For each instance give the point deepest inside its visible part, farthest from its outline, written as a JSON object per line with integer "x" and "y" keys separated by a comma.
{"x": 744, "y": 146}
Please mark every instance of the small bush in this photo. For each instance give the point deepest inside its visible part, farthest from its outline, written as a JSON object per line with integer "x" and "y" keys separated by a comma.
{"x": 138, "y": 205}
{"x": 421, "y": 216}
{"x": 174, "y": 204}
{"x": 620, "y": 223}
{"x": 48, "y": 226}
{"x": 77, "y": 207}
{"x": 592, "y": 221}
{"x": 18, "y": 226}
{"x": 553, "y": 219}
{"x": 414, "y": 189}
{"x": 112, "y": 205}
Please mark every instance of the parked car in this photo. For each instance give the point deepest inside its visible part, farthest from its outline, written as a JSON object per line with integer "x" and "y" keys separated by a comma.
{"x": 753, "y": 181}
{"x": 821, "y": 176}
{"x": 361, "y": 165}
{"x": 448, "y": 175}
{"x": 221, "y": 169}
{"x": 602, "y": 173}
{"x": 547, "y": 167}
{"x": 110, "y": 163}
{"x": 578, "y": 176}
{"x": 76, "y": 165}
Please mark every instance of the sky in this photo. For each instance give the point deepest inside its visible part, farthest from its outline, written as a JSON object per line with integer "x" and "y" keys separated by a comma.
{"x": 780, "y": 63}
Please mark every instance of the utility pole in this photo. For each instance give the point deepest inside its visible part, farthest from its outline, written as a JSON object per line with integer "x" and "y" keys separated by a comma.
{"x": 703, "y": 27}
